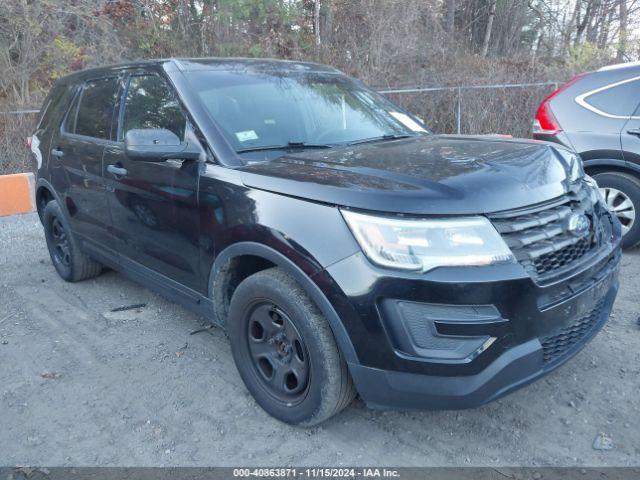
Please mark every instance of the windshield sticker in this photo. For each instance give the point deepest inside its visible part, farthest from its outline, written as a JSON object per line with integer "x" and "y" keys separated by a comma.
{"x": 247, "y": 135}
{"x": 407, "y": 121}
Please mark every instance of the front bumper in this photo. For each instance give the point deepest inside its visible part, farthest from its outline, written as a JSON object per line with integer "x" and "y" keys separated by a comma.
{"x": 536, "y": 327}
{"x": 515, "y": 368}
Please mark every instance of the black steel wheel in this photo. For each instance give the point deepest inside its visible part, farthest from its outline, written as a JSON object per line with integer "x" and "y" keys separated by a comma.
{"x": 69, "y": 261}
{"x": 285, "y": 351}
{"x": 278, "y": 352}
{"x": 61, "y": 247}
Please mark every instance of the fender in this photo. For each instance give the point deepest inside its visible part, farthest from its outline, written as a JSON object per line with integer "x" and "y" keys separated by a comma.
{"x": 268, "y": 253}
{"x": 610, "y": 162}
{"x": 41, "y": 182}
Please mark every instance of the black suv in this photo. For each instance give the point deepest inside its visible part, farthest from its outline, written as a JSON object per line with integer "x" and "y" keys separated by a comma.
{"x": 343, "y": 247}
{"x": 598, "y": 115}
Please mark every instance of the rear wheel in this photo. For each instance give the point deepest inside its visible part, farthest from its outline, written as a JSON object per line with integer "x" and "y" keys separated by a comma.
{"x": 621, "y": 192}
{"x": 285, "y": 351}
{"x": 70, "y": 263}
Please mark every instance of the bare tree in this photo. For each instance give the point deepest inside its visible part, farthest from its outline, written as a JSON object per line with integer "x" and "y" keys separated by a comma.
{"x": 622, "y": 32}
{"x": 487, "y": 31}
{"x": 450, "y": 17}
{"x": 316, "y": 23}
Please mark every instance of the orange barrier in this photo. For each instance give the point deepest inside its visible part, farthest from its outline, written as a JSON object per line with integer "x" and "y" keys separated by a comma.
{"x": 17, "y": 194}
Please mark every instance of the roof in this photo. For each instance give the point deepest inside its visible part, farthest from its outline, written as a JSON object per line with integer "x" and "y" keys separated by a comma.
{"x": 619, "y": 66}
{"x": 212, "y": 63}
{"x": 221, "y": 63}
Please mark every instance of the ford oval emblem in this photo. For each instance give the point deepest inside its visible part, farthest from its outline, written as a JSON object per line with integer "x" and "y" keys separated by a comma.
{"x": 579, "y": 225}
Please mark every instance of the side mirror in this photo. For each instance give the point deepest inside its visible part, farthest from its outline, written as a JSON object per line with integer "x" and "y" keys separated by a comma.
{"x": 158, "y": 145}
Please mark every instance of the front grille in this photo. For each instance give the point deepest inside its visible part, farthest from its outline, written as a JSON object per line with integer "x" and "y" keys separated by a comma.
{"x": 557, "y": 345}
{"x": 558, "y": 259}
{"x": 539, "y": 236}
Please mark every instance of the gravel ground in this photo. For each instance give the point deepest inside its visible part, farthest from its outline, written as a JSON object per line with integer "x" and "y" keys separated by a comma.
{"x": 81, "y": 385}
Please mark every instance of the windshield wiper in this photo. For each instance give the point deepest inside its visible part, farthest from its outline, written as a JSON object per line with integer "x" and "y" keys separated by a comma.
{"x": 288, "y": 146}
{"x": 382, "y": 138}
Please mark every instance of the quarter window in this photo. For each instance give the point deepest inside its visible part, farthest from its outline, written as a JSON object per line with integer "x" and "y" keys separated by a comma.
{"x": 150, "y": 103}
{"x": 620, "y": 100}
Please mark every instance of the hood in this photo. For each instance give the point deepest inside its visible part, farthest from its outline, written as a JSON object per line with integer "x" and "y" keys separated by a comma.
{"x": 436, "y": 174}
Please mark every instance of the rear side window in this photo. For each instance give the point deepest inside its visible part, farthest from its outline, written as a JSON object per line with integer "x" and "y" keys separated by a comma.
{"x": 51, "y": 105}
{"x": 92, "y": 110}
{"x": 150, "y": 103}
{"x": 620, "y": 100}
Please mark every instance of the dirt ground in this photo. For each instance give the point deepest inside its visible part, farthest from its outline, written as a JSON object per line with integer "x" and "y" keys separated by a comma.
{"x": 82, "y": 385}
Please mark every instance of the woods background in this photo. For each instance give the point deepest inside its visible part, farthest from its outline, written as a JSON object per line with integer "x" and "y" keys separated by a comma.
{"x": 383, "y": 42}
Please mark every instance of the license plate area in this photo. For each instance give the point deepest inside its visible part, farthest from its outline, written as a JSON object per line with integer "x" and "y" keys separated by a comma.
{"x": 582, "y": 304}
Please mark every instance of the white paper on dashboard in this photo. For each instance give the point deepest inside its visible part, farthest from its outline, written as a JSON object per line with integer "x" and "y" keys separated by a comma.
{"x": 407, "y": 121}
{"x": 247, "y": 135}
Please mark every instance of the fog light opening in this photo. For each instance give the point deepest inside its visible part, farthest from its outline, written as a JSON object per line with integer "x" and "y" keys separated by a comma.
{"x": 486, "y": 345}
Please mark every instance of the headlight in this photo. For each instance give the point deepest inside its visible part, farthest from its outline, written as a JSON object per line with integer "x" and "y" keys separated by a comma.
{"x": 427, "y": 244}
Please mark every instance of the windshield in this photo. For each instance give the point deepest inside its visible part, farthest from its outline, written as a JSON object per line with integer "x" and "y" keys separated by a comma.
{"x": 268, "y": 113}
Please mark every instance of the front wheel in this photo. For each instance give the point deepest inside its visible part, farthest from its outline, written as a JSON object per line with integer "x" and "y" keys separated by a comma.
{"x": 285, "y": 351}
{"x": 621, "y": 193}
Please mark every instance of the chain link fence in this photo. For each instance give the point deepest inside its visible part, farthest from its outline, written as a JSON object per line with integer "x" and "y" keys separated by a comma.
{"x": 475, "y": 109}
{"x": 469, "y": 109}
{"x": 15, "y": 126}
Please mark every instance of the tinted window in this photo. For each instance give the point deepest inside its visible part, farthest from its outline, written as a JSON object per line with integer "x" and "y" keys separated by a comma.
{"x": 70, "y": 120}
{"x": 620, "y": 100}
{"x": 150, "y": 103}
{"x": 96, "y": 108}
{"x": 52, "y": 103}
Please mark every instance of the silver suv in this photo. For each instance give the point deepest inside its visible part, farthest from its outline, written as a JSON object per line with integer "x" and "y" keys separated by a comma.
{"x": 598, "y": 115}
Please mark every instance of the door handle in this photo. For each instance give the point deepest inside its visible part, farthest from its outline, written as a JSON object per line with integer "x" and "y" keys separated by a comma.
{"x": 117, "y": 171}
{"x": 634, "y": 131}
{"x": 56, "y": 152}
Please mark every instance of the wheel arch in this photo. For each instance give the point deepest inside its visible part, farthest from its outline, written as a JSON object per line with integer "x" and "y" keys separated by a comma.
{"x": 238, "y": 261}
{"x": 44, "y": 194}
{"x": 602, "y": 165}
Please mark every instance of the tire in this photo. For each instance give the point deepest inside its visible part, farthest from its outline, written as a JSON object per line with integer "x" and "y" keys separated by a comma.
{"x": 70, "y": 263}
{"x": 276, "y": 329}
{"x": 617, "y": 187}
